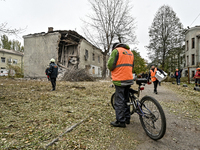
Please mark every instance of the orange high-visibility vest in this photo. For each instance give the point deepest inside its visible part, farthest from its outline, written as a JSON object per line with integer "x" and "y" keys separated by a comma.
{"x": 153, "y": 78}
{"x": 124, "y": 65}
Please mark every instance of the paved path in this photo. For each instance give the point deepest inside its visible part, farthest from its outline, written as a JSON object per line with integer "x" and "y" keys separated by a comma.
{"x": 181, "y": 134}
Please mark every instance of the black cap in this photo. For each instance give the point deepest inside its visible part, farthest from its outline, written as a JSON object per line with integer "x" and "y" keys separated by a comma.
{"x": 114, "y": 45}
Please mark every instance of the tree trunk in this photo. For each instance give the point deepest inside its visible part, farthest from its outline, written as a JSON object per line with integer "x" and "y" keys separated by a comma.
{"x": 104, "y": 65}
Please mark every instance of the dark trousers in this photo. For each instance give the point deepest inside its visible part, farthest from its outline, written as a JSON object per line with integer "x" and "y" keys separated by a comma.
{"x": 178, "y": 80}
{"x": 53, "y": 82}
{"x": 122, "y": 110}
{"x": 155, "y": 83}
{"x": 197, "y": 82}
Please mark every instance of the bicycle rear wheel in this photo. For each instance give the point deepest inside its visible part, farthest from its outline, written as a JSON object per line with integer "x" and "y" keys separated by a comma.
{"x": 153, "y": 119}
{"x": 132, "y": 110}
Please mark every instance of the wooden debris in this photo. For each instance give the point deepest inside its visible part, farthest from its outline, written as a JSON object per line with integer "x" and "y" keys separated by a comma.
{"x": 68, "y": 130}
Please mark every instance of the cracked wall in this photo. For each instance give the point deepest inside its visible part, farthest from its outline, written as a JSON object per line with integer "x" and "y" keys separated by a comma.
{"x": 39, "y": 49}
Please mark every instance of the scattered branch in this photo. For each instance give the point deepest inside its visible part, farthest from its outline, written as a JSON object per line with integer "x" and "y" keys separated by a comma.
{"x": 68, "y": 130}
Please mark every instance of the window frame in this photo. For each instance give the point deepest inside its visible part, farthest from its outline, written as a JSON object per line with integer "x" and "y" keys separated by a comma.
{"x": 193, "y": 43}
{"x": 4, "y": 59}
{"x": 193, "y": 59}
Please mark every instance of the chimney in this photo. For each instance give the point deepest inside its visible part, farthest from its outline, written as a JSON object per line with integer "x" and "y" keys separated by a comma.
{"x": 50, "y": 29}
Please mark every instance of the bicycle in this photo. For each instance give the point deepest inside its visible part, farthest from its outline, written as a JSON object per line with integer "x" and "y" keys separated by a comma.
{"x": 151, "y": 114}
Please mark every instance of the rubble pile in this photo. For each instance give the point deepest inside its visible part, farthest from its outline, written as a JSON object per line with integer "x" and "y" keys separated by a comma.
{"x": 76, "y": 75}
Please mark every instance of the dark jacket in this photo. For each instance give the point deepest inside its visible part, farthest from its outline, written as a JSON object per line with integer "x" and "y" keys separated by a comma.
{"x": 153, "y": 71}
{"x": 53, "y": 70}
{"x": 177, "y": 76}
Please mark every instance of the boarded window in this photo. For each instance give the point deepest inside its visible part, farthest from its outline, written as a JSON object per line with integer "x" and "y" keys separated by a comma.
{"x": 193, "y": 42}
{"x": 193, "y": 59}
{"x": 93, "y": 70}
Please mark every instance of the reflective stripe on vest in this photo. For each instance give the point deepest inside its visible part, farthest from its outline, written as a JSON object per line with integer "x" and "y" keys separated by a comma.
{"x": 124, "y": 65}
{"x": 153, "y": 78}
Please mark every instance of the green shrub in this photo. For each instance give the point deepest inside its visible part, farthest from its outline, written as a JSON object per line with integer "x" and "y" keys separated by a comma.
{"x": 18, "y": 72}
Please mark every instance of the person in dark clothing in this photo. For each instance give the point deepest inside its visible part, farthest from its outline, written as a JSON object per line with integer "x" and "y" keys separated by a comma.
{"x": 151, "y": 76}
{"x": 177, "y": 75}
{"x": 121, "y": 64}
{"x": 146, "y": 75}
{"x": 53, "y": 73}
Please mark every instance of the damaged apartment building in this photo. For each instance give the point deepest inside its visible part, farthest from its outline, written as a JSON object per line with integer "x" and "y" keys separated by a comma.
{"x": 69, "y": 49}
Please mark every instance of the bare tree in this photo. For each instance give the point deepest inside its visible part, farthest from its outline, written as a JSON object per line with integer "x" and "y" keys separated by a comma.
{"x": 166, "y": 35}
{"x": 4, "y": 29}
{"x": 109, "y": 22}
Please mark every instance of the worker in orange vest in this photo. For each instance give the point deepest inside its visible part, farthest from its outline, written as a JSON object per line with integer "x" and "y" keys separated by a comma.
{"x": 121, "y": 64}
{"x": 151, "y": 76}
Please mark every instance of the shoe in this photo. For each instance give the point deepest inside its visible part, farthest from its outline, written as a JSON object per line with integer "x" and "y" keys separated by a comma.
{"x": 118, "y": 124}
{"x": 53, "y": 90}
{"x": 127, "y": 121}
{"x": 156, "y": 92}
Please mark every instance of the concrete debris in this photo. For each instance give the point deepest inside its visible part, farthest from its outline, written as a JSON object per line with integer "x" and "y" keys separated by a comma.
{"x": 75, "y": 75}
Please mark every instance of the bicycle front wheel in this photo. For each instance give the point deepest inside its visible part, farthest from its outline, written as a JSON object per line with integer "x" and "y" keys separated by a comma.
{"x": 152, "y": 118}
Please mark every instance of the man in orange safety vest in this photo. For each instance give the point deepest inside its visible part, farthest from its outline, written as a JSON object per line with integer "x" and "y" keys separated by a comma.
{"x": 152, "y": 74}
{"x": 121, "y": 64}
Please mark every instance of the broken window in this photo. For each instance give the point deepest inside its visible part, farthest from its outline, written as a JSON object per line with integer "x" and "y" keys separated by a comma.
{"x": 193, "y": 42}
{"x": 86, "y": 54}
{"x": 93, "y": 57}
{"x": 3, "y": 59}
{"x": 193, "y": 59}
{"x": 193, "y": 73}
{"x": 15, "y": 61}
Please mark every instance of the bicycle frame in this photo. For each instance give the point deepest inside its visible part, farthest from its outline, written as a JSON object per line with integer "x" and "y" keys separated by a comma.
{"x": 136, "y": 101}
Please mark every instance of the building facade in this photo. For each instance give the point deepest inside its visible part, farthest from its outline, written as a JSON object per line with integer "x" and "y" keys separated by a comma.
{"x": 9, "y": 57}
{"x": 68, "y": 48}
{"x": 192, "y": 51}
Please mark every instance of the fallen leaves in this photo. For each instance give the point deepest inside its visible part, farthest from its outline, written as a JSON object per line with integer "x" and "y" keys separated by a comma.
{"x": 35, "y": 116}
{"x": 189, "y": 105}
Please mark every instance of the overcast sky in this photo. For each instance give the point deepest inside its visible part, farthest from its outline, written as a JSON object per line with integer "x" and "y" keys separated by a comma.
{"x": 37, "y": 15}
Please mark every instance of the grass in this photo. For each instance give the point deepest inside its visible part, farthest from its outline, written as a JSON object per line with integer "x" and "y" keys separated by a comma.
{"x": 31, "y": 116}
{"x": 189, "y": 105}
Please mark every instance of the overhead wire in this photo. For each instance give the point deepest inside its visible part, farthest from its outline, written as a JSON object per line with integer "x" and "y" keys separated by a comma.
{"x": 195, "y": 19}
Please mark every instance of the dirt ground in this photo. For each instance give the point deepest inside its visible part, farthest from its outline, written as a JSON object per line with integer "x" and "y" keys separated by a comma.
{"x": 31, "y": 116}
{"x": 183, "y": 133}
